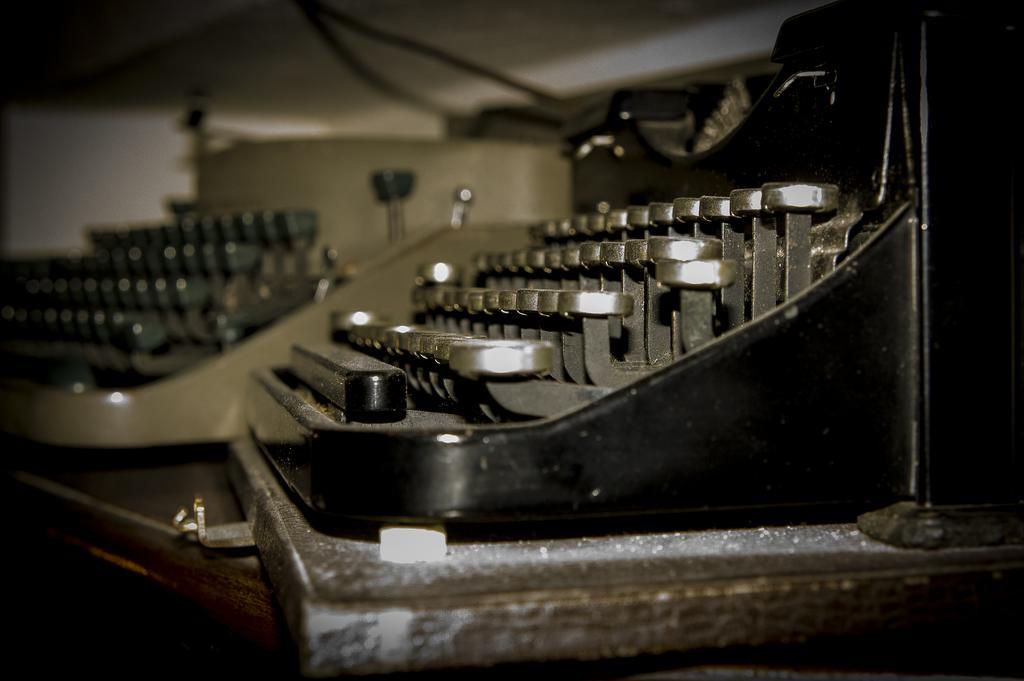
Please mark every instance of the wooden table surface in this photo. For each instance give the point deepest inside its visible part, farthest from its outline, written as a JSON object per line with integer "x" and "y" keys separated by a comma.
{"x": 101, "y": 581}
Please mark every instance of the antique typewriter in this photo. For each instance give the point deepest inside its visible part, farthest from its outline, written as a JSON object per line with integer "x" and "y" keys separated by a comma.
{"x": 787, "y": 321}
{"x": 765, "y": 303}
{"x": 141, "y": 306}
{"x": 148, "y": 301}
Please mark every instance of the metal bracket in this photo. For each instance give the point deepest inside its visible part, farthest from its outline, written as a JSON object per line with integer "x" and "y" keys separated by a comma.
{"x": 821, "y": 78}
{"x": 598, "y": 141}
{"x": 227, "y": 536}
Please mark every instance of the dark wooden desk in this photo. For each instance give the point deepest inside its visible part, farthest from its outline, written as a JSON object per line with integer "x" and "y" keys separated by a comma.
{"x": 102, "y": 582}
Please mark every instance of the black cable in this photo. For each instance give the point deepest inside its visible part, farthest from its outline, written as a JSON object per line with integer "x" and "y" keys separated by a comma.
{"x": 434, "y": 53}
{"x": 311, "y": 9}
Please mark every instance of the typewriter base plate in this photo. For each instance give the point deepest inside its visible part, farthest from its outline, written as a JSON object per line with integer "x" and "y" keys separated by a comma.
{"x": 593, "y": 597}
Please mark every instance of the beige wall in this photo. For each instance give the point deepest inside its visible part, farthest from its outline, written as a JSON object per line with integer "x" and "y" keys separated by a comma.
{"x": 511, "y": 182}
{"x": 66, "y": 166}
{"x": 67, "y": 169}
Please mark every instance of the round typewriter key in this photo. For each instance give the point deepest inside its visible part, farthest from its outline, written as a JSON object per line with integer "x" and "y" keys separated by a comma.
{"x": 715, "y": 209}
{"x": 527, "y": 301}
{"x": 346, "y": 321}
{"x": 660, "y": 214}
{"x": 581, "y": 225}
{"x": 617, "y": 220}
{"x": 636, "y": 252}
{"x": 507, "y": 301}
{"x": 571, "y": 257}
{"x": 443, "y": 345}
{"x": 449, "y": 299}
{"x": 475, "y": 301}
{"x": 429, "y": 341}
{"x": 613, "y": 253}
{"x": 553, "y": 258}
{"x": 782, "y": 197}
{"x": 682, "y": 248}
{"x": 473, "y": 358}
{"x": 637, "y": 217}
{"x": 462, "y": 299}
{"x": 513, "y": 261}
{"x": 686, "y": 209}
{"x": 796, "y": 203}
{"x": 492, "y": 303}
{"x": 697, "y": 274}
{"x": 391, "y": 337}
{"x": 508, "y": 262}
{"x": 590, "y": 254}
{"x": 438, "y": 273}
{"x": 534, "y": 259}
{"x": 595, "y": 303}
{"x": 745, "y": 202}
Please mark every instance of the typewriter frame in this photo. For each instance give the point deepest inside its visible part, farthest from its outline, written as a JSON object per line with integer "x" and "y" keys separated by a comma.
{"x": 890, "y": 328}
{"x": 739, "y": 409}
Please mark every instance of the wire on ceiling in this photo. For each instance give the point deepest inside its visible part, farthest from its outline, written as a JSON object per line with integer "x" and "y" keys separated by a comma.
{"x": 316, "y": 12}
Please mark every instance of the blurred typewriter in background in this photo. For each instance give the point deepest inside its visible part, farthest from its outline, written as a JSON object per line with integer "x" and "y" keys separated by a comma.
{"x": 145, "y": 302}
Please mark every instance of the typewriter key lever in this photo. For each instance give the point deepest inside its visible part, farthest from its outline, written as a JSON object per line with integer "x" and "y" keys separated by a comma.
{"x": 746, "y": 204}
{"x": 795, "y": 204}
{"x": 717, "y": 211}
{"x": 697, "y": 281}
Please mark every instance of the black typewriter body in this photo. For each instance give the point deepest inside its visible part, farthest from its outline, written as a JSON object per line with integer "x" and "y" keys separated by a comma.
{"x": 855, "y": 389}
{"x": 719, "y": 430}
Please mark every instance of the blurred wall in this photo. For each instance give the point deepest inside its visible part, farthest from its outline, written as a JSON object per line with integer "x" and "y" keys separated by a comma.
{"x": 65, "y": 169}
{"x": 511, "y": 182}
{"x": 96, "y": 136}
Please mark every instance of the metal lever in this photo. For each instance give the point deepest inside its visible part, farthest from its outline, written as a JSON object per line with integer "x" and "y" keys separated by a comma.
{"x": 391, "y": 187}
{"x": 227, "y": 536}
{"x": 460, "y": 208}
